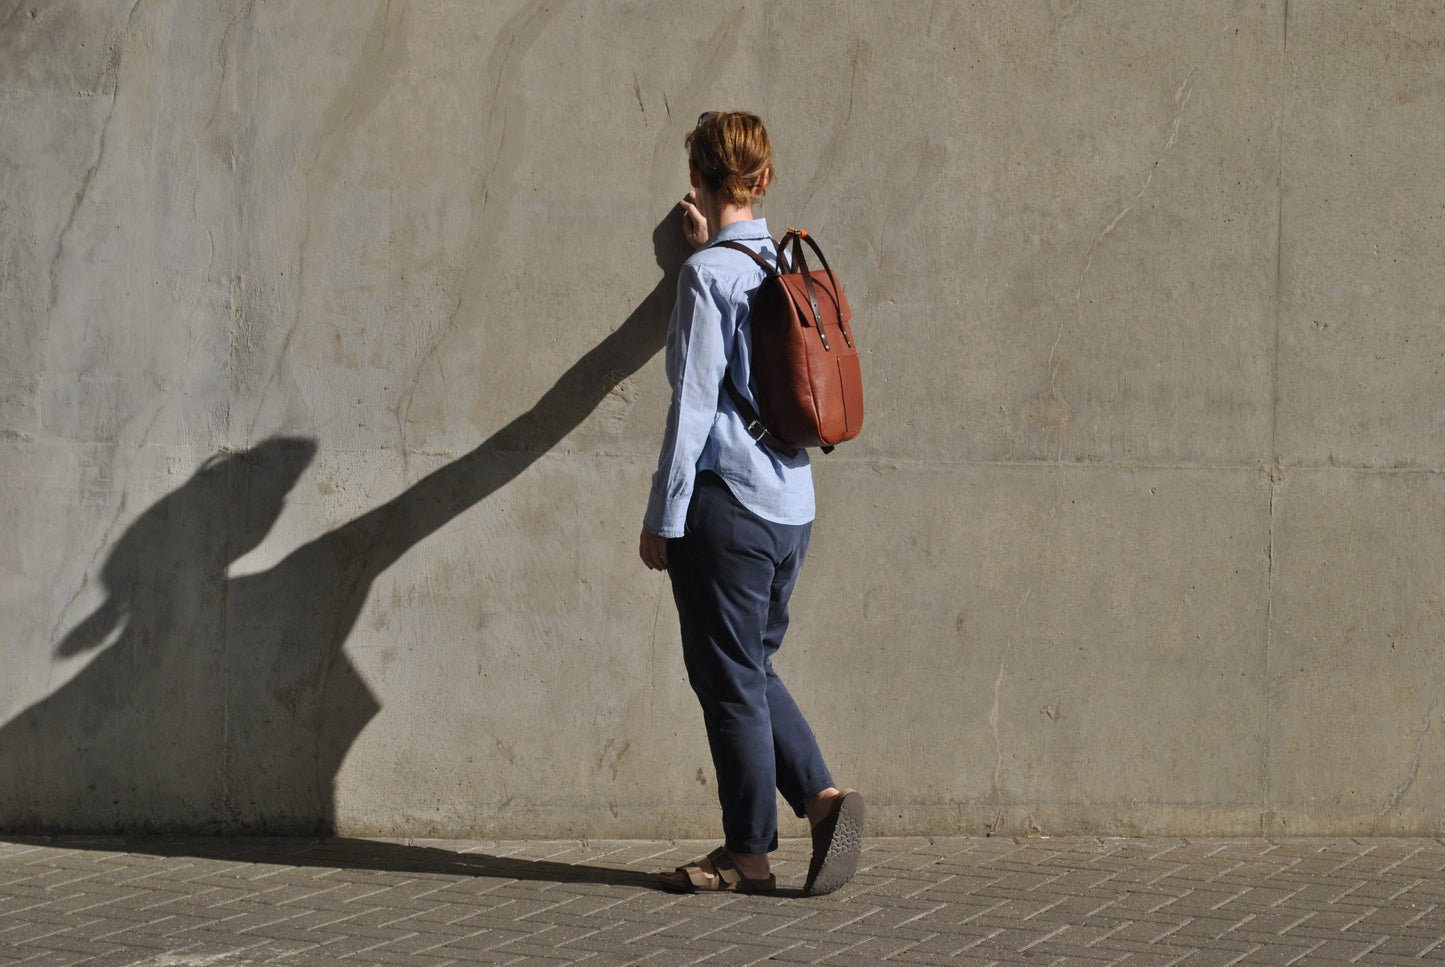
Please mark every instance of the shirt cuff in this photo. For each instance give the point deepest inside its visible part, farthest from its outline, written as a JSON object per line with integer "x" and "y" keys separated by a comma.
{"x": 666, "y": 518}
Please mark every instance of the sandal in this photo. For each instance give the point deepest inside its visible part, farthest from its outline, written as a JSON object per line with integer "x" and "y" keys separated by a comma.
{"x": 837, "y": 841}
{"x": 692, "y": 878}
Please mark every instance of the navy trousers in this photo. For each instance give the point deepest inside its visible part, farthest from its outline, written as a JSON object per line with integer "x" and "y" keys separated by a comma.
{"x": 732, "y": 573}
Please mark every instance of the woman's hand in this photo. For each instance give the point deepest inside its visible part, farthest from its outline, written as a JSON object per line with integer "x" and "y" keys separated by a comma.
{"x": 653, "y": 550}
{"x": 694, "y": 223}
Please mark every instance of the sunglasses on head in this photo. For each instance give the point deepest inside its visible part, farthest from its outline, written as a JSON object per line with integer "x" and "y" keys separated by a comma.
{"x": 707, "y": 116}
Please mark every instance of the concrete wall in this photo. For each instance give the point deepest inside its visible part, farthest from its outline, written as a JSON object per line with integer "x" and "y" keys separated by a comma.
{"x": 330, "y": 390}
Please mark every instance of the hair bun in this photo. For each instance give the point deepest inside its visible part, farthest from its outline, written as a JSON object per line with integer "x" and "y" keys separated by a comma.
{"x": 733, "y": 156}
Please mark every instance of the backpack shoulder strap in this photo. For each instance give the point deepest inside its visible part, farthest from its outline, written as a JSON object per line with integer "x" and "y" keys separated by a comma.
{"x": 762, "y": 262}
{"x": 749, "y": 413}
{"x": 754, "y": 423}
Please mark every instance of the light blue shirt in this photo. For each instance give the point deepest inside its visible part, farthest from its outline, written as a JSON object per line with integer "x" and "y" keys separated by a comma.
{"x": 709, "y": 333}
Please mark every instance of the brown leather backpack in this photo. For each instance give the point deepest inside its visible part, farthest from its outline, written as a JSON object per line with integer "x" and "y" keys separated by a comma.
{"x": 805, "y": 363}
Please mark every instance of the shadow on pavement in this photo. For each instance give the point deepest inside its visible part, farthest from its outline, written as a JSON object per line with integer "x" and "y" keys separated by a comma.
{"x": 349, "y": 854}
{"x": 381, "y": 856}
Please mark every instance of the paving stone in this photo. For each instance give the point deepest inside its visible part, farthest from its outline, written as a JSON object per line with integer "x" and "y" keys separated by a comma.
{"x": 49, "y": 958}
{"x": 1080, "y": 935}
{"x": 988, "y": 901}
{"x": 22, "y": 932}
{"x": 393, "y": 958}
{"x": 70, "y": 943}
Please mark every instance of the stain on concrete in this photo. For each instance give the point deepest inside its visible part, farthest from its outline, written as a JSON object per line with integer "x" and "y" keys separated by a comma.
{"x": 611, "y": 756}
{"x": 1049, "y": 411}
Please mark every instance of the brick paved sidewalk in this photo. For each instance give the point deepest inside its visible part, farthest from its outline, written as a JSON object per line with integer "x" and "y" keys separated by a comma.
{"x": 171, "y": 902}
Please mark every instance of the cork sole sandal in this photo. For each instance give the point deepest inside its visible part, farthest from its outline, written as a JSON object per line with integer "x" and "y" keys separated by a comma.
{"x": 692, "y": 878}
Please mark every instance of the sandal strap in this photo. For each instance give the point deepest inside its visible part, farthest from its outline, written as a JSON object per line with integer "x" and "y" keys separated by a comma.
{"x": 699, "y": 879}
{"x": 724, "y": 871}
{"x": 727, "y": 870}
{"x": 725, "y": 878}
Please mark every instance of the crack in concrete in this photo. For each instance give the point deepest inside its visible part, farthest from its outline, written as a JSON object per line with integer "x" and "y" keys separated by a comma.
{"x": 1276, "y": 484}
{"x": 506, "y": 55}
{"x": 224, "y": 59}
{"x": 363, "y": 92}
{"x": 1392, "y": 801}
{"x": 830, "y": 153}
{"x": 112, "y": 74}
{"x": 993, "y": 717}
{"x": 993, "y": 720}
{"x": 111, "y": 80}
{"x": 1276, "y": 471}
{"x": 1181, "y": 100}
{"x": 721, "y": 46}
{"x": 1051, "y": 400}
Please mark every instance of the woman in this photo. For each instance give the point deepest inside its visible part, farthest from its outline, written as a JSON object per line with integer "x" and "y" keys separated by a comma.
{"x": 729, "y": 519}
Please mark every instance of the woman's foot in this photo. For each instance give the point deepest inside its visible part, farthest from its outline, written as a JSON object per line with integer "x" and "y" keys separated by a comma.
{"x": 721, "y": 871}
{"x": 818, "y": 807}
{"x": 754, "y": 866}
{"x": 837, "y": 840}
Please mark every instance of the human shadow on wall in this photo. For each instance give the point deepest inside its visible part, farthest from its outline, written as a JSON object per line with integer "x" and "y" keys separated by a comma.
{"x": 227, "y": 704}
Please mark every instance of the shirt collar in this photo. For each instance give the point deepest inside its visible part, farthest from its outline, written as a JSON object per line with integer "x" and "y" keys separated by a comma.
{"x": 753, "y": 229}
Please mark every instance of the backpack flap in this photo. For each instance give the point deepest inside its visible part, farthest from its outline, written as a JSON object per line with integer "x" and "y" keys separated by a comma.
{"x": 805, "y": 365}
{"x": 821, "y": 398}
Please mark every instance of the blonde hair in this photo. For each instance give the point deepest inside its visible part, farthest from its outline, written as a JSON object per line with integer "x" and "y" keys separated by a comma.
{"x": 731, "y": 151}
